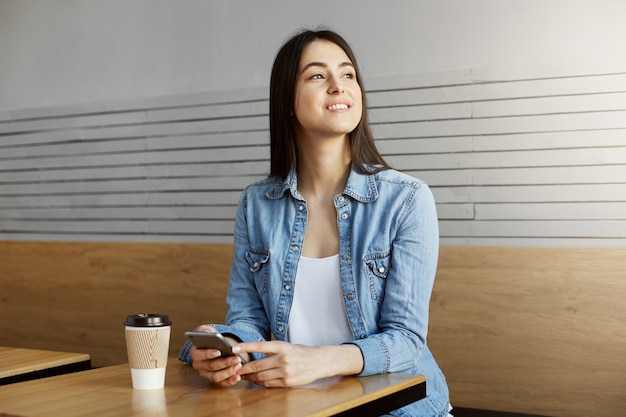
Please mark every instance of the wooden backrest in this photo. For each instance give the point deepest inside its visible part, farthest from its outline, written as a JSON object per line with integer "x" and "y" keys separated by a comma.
{"x": 530, "y": 330}
{"x": 533, "y": 330}
{"x": 76, "y": 296}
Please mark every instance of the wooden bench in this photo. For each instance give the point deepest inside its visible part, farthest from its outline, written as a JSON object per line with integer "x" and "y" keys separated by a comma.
{"x": 76, "y": 296}
{"x": 532, "y": 330}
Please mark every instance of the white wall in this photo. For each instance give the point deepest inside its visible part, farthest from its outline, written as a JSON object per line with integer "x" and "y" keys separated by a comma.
{"x": 68, "y": 51}
{"x": 143, "y": 120}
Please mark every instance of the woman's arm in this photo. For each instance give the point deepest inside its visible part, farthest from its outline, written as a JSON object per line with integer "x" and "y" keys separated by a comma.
{"x": 403, "y": 321}
{"x": 288, "y": 365}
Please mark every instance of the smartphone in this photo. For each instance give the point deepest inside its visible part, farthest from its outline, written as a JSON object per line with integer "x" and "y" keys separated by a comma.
{"x": 208, "y": 340}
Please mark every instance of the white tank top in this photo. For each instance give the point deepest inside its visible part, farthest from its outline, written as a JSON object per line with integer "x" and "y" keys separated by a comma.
{"x": 318, "y": 315}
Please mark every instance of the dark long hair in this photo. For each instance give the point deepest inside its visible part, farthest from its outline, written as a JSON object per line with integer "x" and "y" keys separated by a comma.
{"x": 283, "y": 147}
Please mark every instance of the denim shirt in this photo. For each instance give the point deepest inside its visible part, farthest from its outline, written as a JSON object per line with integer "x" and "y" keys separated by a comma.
{"x": 388, "y": 250}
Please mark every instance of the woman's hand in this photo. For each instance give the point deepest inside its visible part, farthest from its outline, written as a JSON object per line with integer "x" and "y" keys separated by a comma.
{"x": 223, "y": 371}
{"x": 289, "y": 365}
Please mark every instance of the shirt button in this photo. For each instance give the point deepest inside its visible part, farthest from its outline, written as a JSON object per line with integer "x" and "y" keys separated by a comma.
{"x": 350, "y": 296}
{"x": 381, "y": 269}
{"x": 287, "y": 287}
{"x": 346, "y": 256}
{"x": 300, "y": 207}
{"x": 256, "y": 265}
{"x": 362, "y": 336}
{"x": 295, "y": 248}
{"x": 342, "y": 198}
{"x": 344, "y": 216}
{"x": 281, "y": 328}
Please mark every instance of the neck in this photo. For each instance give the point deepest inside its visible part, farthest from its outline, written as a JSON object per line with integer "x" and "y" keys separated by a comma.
{"x": 323, "y": 167}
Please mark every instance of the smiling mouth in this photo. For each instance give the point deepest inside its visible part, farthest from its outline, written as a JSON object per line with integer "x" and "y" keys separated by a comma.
{"x": 340, "y": 106}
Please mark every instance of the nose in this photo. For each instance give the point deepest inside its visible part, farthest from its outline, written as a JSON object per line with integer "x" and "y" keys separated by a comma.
{"x": 336, "y": 85}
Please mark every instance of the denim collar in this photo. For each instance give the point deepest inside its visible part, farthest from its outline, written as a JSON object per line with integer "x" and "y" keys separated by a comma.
{"x": 361, "y": 187}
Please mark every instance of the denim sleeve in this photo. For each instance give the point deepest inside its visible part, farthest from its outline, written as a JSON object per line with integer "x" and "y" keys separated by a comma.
{"x": 403, "y": 322}
{"x": 246, "y": 318}
{"x": 246, "y": 311}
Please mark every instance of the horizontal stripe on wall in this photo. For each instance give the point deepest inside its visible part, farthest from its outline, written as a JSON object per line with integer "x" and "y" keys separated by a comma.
{"x": 534, "y": 159}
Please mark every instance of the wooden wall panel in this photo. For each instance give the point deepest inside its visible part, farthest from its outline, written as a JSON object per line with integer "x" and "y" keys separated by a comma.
{"x": 527, "y": 330}
{"x": 527, "y": 151}
{"x": 75, "y": 296}
{"x": 542, "y": 328}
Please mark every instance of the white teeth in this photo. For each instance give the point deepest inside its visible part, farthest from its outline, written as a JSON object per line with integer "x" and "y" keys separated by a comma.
{"x": 338, "y": 106}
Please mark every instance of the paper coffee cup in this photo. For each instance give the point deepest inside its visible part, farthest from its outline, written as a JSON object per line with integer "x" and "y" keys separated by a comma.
{"x": 147, "y": 344}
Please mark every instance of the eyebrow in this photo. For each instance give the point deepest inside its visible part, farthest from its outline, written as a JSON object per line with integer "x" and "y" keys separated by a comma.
{"x": 325, "y": 65}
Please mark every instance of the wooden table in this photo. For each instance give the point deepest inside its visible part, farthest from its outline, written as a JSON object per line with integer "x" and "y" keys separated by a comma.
{"x": 17, "y": 364}
{"x": 108, "y": 392}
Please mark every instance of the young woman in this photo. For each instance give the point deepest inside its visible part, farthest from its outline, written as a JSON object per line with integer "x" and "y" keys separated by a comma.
{"x": 335, "y": 252}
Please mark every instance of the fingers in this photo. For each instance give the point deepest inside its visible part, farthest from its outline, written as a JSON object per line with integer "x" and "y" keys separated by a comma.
{"x": 210, "y": 359}
{"x": 207, "y": 328}
{"x": 269, "y": 371}
{"x": 268, "y": 348}
{"x": 233, "y": 380}
{"x": 225, "y": 377}
{"x": 219, "y": 370}
{"x": 271, "y": 377}
{"x": 278, "y": 368}
{"x": 275, "y": 355}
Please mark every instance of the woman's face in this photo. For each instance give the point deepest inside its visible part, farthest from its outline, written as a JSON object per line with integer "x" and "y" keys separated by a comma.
{"x": 328, "y": 100}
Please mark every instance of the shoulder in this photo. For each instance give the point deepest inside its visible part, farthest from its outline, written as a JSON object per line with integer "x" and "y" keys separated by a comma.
{"x": 391, "y": 176}
{"x": 396, "y": 185}
{"x": 264, "y": 185}
{"x": 263, "y": 189}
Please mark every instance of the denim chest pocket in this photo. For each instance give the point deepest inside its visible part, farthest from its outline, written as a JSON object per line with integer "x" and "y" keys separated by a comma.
{"x": 257, "y": 260}
{"x": 377, "y": 266}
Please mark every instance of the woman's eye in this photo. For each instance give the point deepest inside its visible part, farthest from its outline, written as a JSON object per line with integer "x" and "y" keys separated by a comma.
{"x": 317, "y": 77}
{"x": 349, "y": 76}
